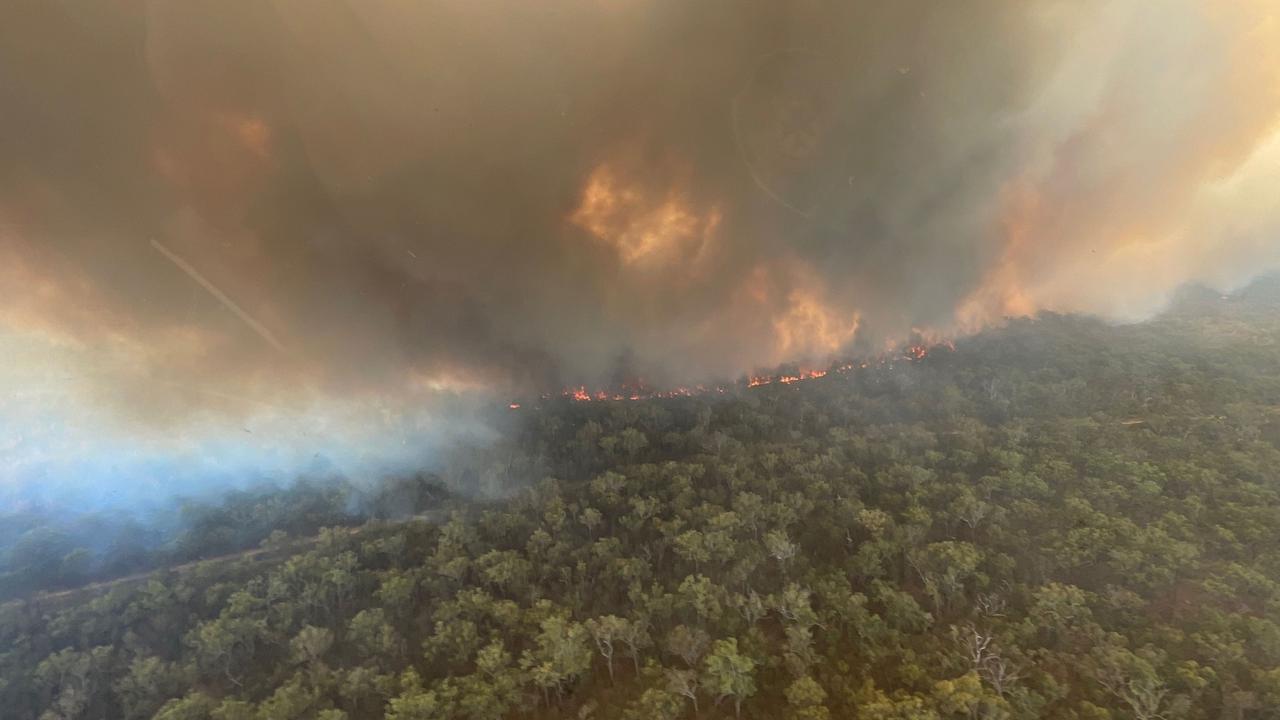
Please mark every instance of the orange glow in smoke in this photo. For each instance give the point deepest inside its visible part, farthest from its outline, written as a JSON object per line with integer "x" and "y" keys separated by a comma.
{"x": 252, "y": 131}
{"x": 1003, "y": 292}
{"x": 640, "y": 227}
{"x": 810, "y": 327}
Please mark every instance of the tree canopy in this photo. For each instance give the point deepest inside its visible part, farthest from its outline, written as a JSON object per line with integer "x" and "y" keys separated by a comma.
{"x": 1058, "y": 519}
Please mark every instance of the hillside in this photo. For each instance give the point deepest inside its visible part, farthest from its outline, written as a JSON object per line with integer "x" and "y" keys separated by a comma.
{"x": 1059, "y": 519}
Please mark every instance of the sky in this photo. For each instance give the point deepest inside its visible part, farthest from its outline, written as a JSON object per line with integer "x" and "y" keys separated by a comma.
{"x": 251, "y": 239}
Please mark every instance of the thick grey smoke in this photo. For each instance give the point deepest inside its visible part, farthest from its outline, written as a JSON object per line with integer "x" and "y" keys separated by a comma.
{"x": 239, "y": 198}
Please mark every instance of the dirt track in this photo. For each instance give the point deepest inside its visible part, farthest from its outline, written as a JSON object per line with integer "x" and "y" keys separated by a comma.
{"x": 102, "y": 586}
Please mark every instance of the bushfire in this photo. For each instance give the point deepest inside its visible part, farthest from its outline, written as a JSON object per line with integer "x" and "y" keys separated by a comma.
{"x": 639, "y": 391}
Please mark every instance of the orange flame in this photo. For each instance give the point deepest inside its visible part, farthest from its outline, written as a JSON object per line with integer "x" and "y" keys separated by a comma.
{"x": 1004, "y": 292}
{"x": 639, "y": 227}
{"x": 909, "y": 353}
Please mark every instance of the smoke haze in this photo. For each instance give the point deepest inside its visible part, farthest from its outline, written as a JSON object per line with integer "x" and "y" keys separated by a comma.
{"x": 212, "y": 210}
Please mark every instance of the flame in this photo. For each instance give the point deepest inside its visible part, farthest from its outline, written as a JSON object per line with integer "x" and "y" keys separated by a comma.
{"x": 639, "y": 227}
{"x": 788, "y": 378}
{"x": 1003, "y": 291}
{"x": 787, "y": 301}
{"x": 810, "y": 327}
{"x": 639, "y": 391}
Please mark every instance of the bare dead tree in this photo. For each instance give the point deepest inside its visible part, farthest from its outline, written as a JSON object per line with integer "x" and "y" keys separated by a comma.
{"x": 685, "y": 683}
{"x": 1144, "y": 694}
{"x": 1000, "y": 673}
{"x": 991, "y": 605}
{"x": 975, "y": 644}
{"x": 984, "y": 657}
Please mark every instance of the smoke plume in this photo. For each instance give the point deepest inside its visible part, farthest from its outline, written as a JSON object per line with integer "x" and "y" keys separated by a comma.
{"x": 217, "y": 205}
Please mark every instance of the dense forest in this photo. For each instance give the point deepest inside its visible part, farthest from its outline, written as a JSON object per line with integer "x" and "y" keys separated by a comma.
{"x": 48, "y": 548}
{"x": 1059, "y": 519}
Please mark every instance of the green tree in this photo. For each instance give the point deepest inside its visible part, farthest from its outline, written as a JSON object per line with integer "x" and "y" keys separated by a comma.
{"x": 729, "y": 674}
{"x": 560, "y": 657}
{"x": 193, "y": 706}
{"x": 684, "y": 683}
{"x": 690, "y": 645}
{"x": 654, "y": 704}
{"x": 805, "y": 698}
{"x": 149, "y": 683}
{"x": 310, "y": 645}
{"x": 606, "y": 631}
